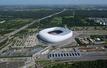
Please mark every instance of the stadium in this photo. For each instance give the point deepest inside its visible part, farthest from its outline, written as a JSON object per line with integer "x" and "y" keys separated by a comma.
{"x": 55, "y": 34}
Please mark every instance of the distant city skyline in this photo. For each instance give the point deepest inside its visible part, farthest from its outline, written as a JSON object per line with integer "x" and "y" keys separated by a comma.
{"x": 52, "y": 2}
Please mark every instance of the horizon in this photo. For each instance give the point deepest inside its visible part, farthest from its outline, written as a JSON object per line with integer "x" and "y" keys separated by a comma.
{"x": 53, "y": 2}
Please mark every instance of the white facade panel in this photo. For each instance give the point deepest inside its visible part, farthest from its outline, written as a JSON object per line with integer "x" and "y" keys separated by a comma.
{"x": 53, "y": 38}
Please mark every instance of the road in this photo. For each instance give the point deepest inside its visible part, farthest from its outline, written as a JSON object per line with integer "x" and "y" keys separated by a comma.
{"x": 24, "y": 27}
{"x": 92, "y": 32}
{"x": 38, "y": 20}
{"x": 27, "y": 25}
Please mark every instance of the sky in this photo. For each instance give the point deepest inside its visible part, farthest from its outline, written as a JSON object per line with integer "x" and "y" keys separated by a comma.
{"x": 52, "y": 2}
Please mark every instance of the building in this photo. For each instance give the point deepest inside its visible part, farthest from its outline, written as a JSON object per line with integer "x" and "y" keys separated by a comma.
{"x": 64, "y": 54}
{"x": 55, "y": 34}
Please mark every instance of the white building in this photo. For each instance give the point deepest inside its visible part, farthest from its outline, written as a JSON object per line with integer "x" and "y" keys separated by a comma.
{"x": 55, "y": 34}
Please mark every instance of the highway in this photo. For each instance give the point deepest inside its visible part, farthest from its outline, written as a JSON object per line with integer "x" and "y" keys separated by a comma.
{"x": 92, "y": 32}
{"x": 38, "y": 20}
{"x": 24, "y": 27}
{"x": 27, "y": 25}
